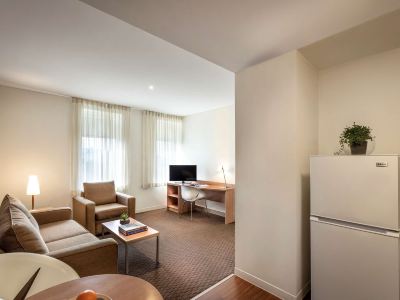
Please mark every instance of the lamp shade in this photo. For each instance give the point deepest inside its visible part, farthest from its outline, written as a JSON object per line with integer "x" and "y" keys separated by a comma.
{"x": 33, "y": 185}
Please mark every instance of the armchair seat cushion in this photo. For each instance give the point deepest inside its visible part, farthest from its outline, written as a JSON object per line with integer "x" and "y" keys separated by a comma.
{"x": 71, "y": 241}
{"x": 60, "y": 230}
{"x": 109, "y": 211}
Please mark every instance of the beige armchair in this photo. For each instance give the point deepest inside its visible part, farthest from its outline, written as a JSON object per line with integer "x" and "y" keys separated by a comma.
{"x": 100, "y": 203}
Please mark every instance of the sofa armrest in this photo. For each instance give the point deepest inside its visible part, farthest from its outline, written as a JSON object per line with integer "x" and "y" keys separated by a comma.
{"x": 129, "y": 201}
{"x": 50, "y": 215}
{"x": 96, "y": 257}
{"x": 83, "y": 211}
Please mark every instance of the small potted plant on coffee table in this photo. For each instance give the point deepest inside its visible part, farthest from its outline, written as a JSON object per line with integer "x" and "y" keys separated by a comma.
{"x": 356, "y": 136}
{"x": 124, "y": 218}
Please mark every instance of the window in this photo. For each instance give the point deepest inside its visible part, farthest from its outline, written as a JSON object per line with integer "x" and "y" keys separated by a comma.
{"x": 161, "y": 143}
{"x": 100, "y": 143}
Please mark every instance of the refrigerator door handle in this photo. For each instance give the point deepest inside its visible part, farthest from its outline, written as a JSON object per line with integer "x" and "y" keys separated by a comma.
{"x": 353, "y": 226}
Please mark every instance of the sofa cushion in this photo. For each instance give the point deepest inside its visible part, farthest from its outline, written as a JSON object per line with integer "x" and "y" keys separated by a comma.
{"x": 60, "y": 230}
{"x": 100, "y": 192}
{"x": 17, "y": 203}
{"x": 21, "y": 207}
{"x": 17, "y": 233}
{"x": 71, "y": 241}
{"x": 108, "y": 211}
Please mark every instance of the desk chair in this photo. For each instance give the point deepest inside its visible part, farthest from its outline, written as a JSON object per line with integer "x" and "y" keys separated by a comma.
{"x": 191, "y": 195}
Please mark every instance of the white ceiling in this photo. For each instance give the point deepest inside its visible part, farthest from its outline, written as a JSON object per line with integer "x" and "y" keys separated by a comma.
{"x": 68, "y": 47}
{"x": 238, "y": 33}
{"x": 375, "y": 36}
{"x": 71, "y": 48}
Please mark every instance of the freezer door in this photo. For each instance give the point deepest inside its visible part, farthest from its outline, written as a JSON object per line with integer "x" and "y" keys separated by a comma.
{"x": 353, "y": 264}
{"x": 357, "y": 189}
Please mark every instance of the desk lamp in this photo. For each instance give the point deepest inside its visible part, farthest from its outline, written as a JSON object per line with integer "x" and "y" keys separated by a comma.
{"x": 223, "y": 172}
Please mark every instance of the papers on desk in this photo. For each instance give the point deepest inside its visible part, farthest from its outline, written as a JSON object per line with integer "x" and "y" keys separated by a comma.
{"x": 196, "y": 185}
{"x": 201, "y": 185}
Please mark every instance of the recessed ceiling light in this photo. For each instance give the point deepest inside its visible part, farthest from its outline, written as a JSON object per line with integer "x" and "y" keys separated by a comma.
{"x": 151, "y": 87}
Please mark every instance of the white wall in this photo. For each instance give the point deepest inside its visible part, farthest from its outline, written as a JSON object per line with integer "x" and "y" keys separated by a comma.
{"x": 209, "y": 143}
{"x": 35, "y": 135}
{"x": 365, "y": 91}
{"x": 276, "y": 130}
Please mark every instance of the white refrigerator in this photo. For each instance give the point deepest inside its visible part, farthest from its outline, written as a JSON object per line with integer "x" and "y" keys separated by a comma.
{"x": 355, "y": 227}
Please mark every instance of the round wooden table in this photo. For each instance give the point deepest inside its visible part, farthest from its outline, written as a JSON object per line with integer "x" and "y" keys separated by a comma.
{"x": 113, "y": 285}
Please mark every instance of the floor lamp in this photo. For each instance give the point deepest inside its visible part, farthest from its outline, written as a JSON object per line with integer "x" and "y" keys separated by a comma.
{"x": 32, "y": 188}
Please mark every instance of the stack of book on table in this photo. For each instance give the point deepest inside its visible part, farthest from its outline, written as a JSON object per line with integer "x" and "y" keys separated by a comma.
{"x": 132, "y": 228}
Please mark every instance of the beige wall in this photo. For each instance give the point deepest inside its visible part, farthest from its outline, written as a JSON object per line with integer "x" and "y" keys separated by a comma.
{"x": 35, "y": 131}
{"x": 209, "y": 143}
{"x": 307, "y": 143}
{"x": 276, "y": 130}
{"x": 364, "y": 91}
{"x": 35, "y": 135}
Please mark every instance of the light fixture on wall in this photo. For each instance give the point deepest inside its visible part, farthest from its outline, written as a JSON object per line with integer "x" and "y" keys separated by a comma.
{"x": 32, "y": 188}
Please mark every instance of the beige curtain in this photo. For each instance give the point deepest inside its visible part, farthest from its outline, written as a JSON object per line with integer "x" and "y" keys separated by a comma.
{"x": 100, "y": 143}
{"x": 161, "y": 143}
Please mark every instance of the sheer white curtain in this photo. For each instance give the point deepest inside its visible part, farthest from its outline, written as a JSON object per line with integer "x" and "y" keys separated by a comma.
{"x": 100, "y": 143}
{"x": 161, "y": 143}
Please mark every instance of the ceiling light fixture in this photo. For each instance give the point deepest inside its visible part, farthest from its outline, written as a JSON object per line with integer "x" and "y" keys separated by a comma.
{"x": 151, "y": 87}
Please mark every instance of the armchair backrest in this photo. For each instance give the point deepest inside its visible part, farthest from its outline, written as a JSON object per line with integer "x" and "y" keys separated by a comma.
{"x": 100, "y": 192}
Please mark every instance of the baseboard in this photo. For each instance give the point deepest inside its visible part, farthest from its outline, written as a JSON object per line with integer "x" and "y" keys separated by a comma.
{"x": 150, "y": 208}
{"x": 304, "y": 291}
{"x": 270, "y": 288}
{"x": 211, "y": 287}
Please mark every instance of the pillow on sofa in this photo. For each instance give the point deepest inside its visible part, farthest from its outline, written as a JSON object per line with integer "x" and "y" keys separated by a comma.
{"x": 17, "y": 233}
{"x": 100, "y": 192}
{"x": 21, "y": 207}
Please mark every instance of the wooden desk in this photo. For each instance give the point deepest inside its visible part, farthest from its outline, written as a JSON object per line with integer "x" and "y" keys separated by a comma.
{"x": 215, "y": 191}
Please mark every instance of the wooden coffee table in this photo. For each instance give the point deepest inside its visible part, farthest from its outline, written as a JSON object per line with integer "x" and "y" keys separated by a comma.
{"x": 112, "y": 227}
{"x": 116, "y": 286}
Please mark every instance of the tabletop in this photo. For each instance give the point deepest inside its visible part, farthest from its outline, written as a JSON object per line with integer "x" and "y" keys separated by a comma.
{"x": 112, "y": 226}
{"x": 116, "y": 286}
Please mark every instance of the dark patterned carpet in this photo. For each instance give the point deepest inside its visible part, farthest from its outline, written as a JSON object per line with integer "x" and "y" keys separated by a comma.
{"x": 194, "y": 255}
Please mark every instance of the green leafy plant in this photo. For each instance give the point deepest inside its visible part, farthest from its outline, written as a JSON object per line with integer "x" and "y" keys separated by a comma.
{"x": 355, "y": 135}
{"x": 124, "y": 216}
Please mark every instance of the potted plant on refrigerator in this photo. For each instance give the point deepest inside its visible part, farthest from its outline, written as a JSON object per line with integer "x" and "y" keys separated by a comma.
{"x": 356, "y": 136}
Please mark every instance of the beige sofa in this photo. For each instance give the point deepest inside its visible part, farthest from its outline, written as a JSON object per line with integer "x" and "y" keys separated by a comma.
{"x": 53, "y": 232}
{"x": 99, "y": 203}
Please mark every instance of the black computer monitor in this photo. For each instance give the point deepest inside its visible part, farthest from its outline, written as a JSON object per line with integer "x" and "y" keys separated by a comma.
{"x": 182, "y": 172}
